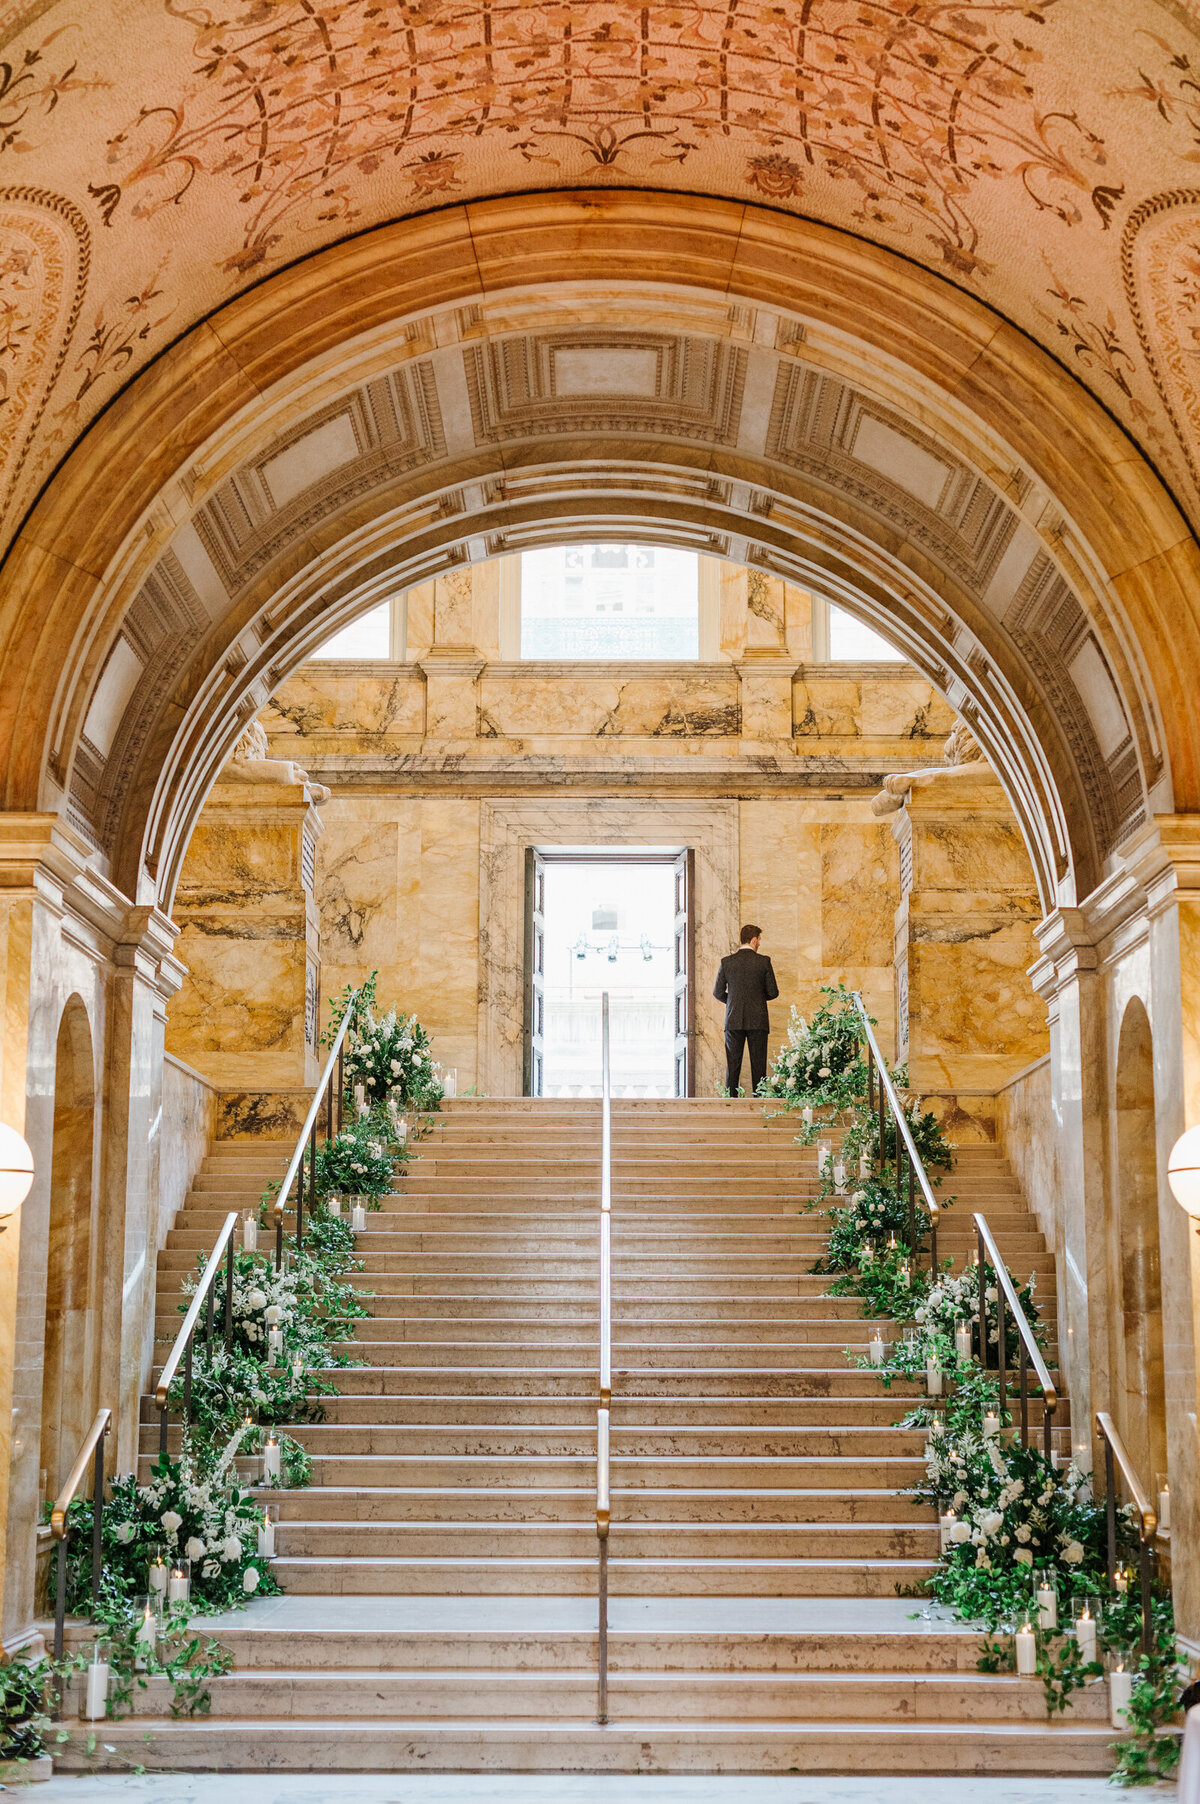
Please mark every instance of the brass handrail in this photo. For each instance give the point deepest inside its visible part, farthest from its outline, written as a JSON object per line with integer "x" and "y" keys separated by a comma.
{"x": 603, "y": 1500}
{"x": 182, "y": 1349}
{"x": 1031, "y": 1353}
{"x": 331, "y": 1093}
{"x": 917, "y": 1177}
{"x": 1115, "y": 1454}
{"x": 91, "y": 1450}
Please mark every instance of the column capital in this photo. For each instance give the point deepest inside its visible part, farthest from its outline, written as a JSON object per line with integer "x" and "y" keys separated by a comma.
{"x": 1067, "y": 951}
{"x": 1163, "y": 858}
{"x": 40, "y": 853}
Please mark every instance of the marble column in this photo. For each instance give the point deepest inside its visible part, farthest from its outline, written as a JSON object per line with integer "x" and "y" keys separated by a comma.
{"x": 246, "y": 1015}
{"x": 766, "y": 667}
{"x": 1067, "y": 976}
{"x": 967, "y": 1017}
{"x": 1165, "y": 861}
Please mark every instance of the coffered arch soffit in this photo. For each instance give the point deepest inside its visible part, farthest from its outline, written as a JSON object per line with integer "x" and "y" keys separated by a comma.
{"x": 467, "y": 431}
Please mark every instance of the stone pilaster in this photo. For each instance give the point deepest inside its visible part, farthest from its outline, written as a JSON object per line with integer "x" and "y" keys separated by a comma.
{"x": 246, "y": 1016}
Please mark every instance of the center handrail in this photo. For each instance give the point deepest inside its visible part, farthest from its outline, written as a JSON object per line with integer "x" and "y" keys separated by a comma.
{"x": 603, "y": 1501}
{"x": 1115, "y": 1454}
{"x": 917, "y": 1176}
{"x": 92, "y": 1451}
{"x": 1030, "y": 1354}
{"x": 182, "y": 1349}
{"x": 329, "y": 1090}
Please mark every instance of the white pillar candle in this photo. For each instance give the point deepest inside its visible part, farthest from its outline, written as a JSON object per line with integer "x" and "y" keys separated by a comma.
{"x": 360, "y": 1097}
{"x": 177, "y": 1586}
{"x": 839, "y": 1175}
{"x": 1120, "y": 1696}
{"x": 95, "y": 1703}
{"x": 946, "y": 1522}
{"x": 450, "y": 1082}
{"x": 933, "y": 1377}
{"x": 1164, "y": 1508}
{"x": 806, "y": 1115}
{"x": 297, "y": 1369}
{"x": 266, "y": 1540}
{"x": 1026, "y": 1653}
{"x": 864, "y": 1165}
{"x": 275, "y": 1343}
{"x": 402, "y": 1130}
{"x": 1047, "y": 1607}
{"x": 962, "y": 1341}
{"x": 249, "y": 1234}
{"x": 877, "y": 1349}
{"x": 1085, "y": 1636}
{"x": 359, "y": 1218}
{"x": 824, "y": 1158}
{"x": 334, "y": 1205}
{"x": 158, "y": 1576}
{"x": 991, "y": 1426}
{"x": 1120, "y": 1580}
{"x": 271, "y": 1465}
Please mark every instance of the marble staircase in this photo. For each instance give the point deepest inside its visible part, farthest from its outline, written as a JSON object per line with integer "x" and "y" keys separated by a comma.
{"x": 440, "y": 1571}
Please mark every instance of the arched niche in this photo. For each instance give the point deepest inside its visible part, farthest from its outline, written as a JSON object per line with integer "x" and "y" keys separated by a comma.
{"x": 1140, "y": 1384}
{"x": 758, "y": 387}
{"x": 68, "y": 1377}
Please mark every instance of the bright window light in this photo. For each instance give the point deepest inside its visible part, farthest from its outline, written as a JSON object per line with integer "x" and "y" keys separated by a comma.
{"x": 850, "y": 642}
{"x": 367, "y": 637}
{"x": 610, "y": 601}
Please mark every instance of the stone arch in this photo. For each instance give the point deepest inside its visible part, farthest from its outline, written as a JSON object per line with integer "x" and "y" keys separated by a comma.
{"x": 1140, "y": 1383}
{"x": 68, "y": 1377}
{"x": 755, "y": 386}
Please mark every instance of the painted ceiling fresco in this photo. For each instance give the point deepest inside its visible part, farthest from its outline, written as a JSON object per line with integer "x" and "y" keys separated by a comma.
{"x": 157, "y": 157}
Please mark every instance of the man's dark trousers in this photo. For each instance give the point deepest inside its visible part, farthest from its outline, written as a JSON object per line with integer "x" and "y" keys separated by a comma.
{"x": 736, "y": 1039}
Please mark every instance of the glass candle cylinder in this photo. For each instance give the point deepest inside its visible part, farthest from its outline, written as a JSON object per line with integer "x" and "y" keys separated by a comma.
{"x": 991, "y": 1425}
{"x": 334, "y": 1205}
{"x": 450, "y": 1082}
{"x": 359, "y": 1218}
{"x": 962, "y": 1340}
{"x": 1046, "y": 1599}
{"x": 360, "y": 1097}
{"x": 179, "y": 1584}
{"x": 806, "y": 1115}
{"x": 824, "y": 1158}
{"x": 864, "y": 1164}
{"x": 946, "y": 1522}
{"x": 272, "y": 1458}
{"x": 147, "y": 1632}
{"x": 1026, "y": 1652}
{"x": 1164, "y": 1505}
{"x": 249, "y": 1233}
{"x": 158, "y": 1575}
{"x": 933, "y": 1377}
{"x": 839, "y": 1175}
{"x": 266, "y": 1533}
{"x": 877, "y": 1349}
{"x": 95, "y": 1686}
{"x": 274, "y": 1343}
{"x": 1120, "y": 1696}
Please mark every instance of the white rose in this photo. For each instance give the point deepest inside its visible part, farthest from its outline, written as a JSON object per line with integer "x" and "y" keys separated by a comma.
{"x": 990, "y": 1295}
{"x": 960, "y": 1532}
{"x": 231, "y": 1549}
{"x": 250, "y": 1579}
{"x": 397, "y": 1068}
{"x": 1024, "y": 1534}
{"x": 171, "y": 1522}
{"x": 1023, "y": 1556}
{"x": 194, "y": 1549}
{"x": 919, "y": 1316}
{"x": 1073, "y": 1554}
{"x": 257, "y": 1299}
{"x": 992, "y": 1523}
{"x": 824, "y": 1071}
{"x": 125, "y": 1533}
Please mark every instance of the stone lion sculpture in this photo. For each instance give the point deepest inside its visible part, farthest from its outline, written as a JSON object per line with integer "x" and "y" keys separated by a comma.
{"x": 962, "y": 754}
{"x": 250, "y": 762}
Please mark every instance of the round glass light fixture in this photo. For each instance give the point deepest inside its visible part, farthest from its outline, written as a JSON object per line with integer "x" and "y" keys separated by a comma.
{"x": 16, "y": 1169}
{"x": 1183, "y": 1171}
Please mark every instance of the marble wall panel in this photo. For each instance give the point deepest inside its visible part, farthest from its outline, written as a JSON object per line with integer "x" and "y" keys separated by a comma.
{"x": 678, "y": 704}
{"x": 860, "y": 878}
{"x": 325, "y": 709}
{"x": 974, "y": 1017}
{"x": 356, "y": 888}
{"x": 229, "y": 862}
{"x": 261, "y": 1114}
{"x": 974, "y": 856}
{"x": 902, "y": 707}
{"x": 241, "y": 1012}
{"x": 826, "y": 707}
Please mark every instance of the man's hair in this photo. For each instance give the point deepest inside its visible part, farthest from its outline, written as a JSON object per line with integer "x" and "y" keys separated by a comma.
{"x": 750, "y": 932}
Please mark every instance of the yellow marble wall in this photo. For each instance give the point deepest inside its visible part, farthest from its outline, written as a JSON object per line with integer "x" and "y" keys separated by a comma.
{"x": 246, "y": 1014}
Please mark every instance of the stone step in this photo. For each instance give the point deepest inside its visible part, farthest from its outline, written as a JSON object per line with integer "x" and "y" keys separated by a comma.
{"x": 536, "y": 1471}
{"x": 464, "y": 1503}
{"x": 298, "y": 1693}
{"x": 415, "y": 1381}
{"x": 504, "y": 1440}
{"x": 530, "y": 1745}
{"x": 875, "y": 1411}
{"x": 528, "y": 1576}
{"x": 331, "y": 1543}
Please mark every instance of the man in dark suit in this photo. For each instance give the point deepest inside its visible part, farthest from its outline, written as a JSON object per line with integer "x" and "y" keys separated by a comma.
{"x": 745, "y": 984}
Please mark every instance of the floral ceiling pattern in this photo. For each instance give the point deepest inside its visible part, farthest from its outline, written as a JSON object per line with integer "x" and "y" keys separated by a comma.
{"x": 156, "y": 157}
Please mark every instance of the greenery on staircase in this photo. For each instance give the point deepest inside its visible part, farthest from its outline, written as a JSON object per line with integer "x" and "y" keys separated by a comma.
{"x": 195, "y": 1506}
{"x": 1012, "y": 1521}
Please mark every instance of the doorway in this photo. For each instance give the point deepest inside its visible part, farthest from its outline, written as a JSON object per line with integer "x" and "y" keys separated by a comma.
{"x": 622, "y": 921}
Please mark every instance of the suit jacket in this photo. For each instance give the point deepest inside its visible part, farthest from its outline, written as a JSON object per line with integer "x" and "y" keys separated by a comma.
{"x": 745, "y": 984}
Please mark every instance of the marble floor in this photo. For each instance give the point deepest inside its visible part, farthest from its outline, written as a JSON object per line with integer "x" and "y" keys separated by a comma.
{"x": 359, "y": 1788}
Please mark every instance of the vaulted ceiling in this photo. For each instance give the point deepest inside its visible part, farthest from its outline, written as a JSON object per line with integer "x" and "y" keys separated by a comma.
{"x": 158, "y": 157}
